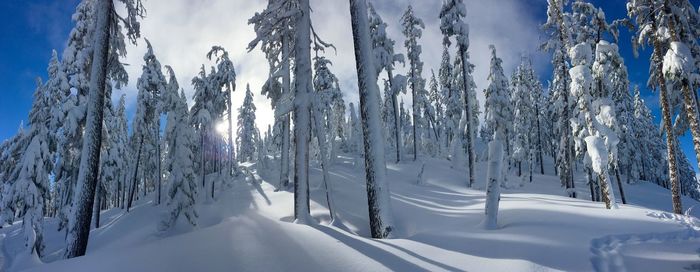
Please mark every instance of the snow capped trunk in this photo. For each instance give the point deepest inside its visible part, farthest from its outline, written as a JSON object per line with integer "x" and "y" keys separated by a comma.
{"x": 599, "y": 162}
{"x": 89, "y": 163}
{"x": 302, "y": 71}
{"x": 494, "y": 176}
{"x": 378, "y": 194}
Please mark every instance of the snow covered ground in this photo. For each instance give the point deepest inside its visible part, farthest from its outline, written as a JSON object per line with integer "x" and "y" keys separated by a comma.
{"x": 249, "y": 228}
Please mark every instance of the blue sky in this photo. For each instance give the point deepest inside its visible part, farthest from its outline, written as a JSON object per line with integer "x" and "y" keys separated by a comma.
{"x": 35, "y": 27}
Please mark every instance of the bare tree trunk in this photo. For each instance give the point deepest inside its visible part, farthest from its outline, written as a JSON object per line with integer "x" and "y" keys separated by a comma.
{"x": 90, "y": 159}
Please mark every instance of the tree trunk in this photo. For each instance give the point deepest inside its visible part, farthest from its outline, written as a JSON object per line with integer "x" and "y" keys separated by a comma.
{"x": 397, "y": 126}
{"x": 415, "y": 118}
{"x": 160, "y": 171}
{"x": 666, "y": 120}
{"x": 302, "y": 72}
{"x": 286, "y": 88}
{"x": 90, "y": 158}
{"x": 134, "y": 183}
{"x": 468, "y": 111}
{"x": 231, "y": 160}
{"x": 590, "y": 183}
{"x": 539, "y": 139}
{"x": 321, "y": 137}
{"x": 378, "y": 195}
{"x": 98, "y": 204}
{"x": 397, "y": 117}
{"x": 202, "y": 163}
{"x": 619, "y": 185}
{"x": 495, "y": 174}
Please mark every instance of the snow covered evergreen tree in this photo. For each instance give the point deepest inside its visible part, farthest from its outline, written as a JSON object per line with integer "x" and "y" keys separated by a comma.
{"x": 651, "y": 18}
{"x": 435, "y": 99}
{"x": 75, "y": 66}
{"x": 680, "y": 20}
{"x": 245, "y": 138}
{"x": 182, "y": 185}
{"x": 383, "y": 48}
{"x": 30, "y": 187}
{"x": 594, "y": 138}
{"x": 378, "y": 194}
{"x": 225, "y": 78}
{"x": 146, "y": 124}
{"x": 524, "y": 135}
{"x": 610, "y": 74}
{"x": 497, "y": 90}
{"x": 413, "y": 30}
{"x": 202, "y": 118}
{"x": 452, "y": 23}
{"x": 498, "y": 119}
{"x": 652, "y": 163}
{"x": 557, "y": 29}
{"x": 107, "y": 23}
{"x": 274, "y": 28}
{"x": 450, "y": 96}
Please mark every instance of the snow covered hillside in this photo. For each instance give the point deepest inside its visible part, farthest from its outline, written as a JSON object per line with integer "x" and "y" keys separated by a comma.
{"x": 248, "y": 228}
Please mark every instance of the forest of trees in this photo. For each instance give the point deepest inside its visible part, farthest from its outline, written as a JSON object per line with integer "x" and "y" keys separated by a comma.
{"x": 80, "y": 154}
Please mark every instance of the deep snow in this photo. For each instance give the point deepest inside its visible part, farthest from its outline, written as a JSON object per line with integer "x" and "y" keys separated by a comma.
{"x": 249, "y": 228}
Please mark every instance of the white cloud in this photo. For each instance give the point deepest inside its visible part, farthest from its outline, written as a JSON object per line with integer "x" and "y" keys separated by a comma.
{"x": 182, "y": 32}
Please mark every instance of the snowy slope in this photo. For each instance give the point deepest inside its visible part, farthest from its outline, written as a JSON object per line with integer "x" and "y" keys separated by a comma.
{"x": 248, "y": 228}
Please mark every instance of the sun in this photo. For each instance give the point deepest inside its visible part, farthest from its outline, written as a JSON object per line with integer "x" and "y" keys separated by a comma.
{"x": 222, "y": 128}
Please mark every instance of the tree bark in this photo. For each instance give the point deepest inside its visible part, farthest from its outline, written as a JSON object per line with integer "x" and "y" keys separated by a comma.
{"x": 657, "y": 60}
{"x": 468, "y": 111}
{"x": 619, "y": 185}
{"x": 302, "y": 72}
{"x": 378, "y": 195}
{"x": 397, "y": 117}
{"x": 286, "y": 88}
{"x": 231, "y": 160}
{"x": 134, "y": 183}
{"x": 539, "y": 139}
{"x": 90, "y": 158}
{"x": 98, "y": 204}
{"x": 160, "y": 171}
